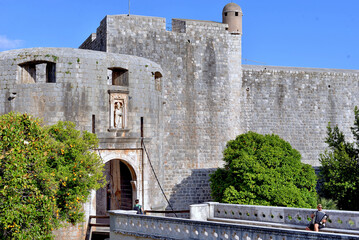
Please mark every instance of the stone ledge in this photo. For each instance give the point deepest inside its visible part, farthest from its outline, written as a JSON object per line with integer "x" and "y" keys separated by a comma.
{"x": 119, "y": 89}
{"x": 281, "y": 225}
{"x": 118, "y": 130}
{"x": 123, "y": 139}
{"x": 346, "y": 220}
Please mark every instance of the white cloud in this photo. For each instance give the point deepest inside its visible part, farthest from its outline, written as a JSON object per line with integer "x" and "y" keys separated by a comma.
{"x": 6, "y": 44}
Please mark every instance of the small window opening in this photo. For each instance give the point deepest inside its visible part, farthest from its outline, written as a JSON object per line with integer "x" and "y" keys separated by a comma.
{"x": 158, "y": 77}
{"x": 236, "y": 13}
{"x": 28, "y": 73}
{"x": 51, "y": 73}
{"x": 119, "y": 77}
{"x": 93, "y": 123}
{"x": 225, "y": 14}
{"x": 32, "y": 72}
{"x": 141, "y": 127}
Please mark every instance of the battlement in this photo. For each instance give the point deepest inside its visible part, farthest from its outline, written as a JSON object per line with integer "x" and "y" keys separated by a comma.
{"x": 185, "y": 25}
{"x": 132, "y": 24}
{"x": 136, "y": 22}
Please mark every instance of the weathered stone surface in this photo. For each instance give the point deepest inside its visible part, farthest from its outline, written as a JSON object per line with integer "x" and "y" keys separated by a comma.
{"x": 82, "y": 93}
{"x": 202, "y": 82}
{"x": 298, "y": 103}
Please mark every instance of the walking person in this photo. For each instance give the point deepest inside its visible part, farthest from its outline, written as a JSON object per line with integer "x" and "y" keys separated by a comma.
{"x": 137, "y": 207}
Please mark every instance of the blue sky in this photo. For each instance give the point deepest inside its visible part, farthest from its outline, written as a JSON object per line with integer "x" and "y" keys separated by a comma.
{"x": 302, "y": 33}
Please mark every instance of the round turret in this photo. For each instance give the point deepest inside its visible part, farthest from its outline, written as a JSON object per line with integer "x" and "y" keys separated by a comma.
{"x": 232, "y": 15}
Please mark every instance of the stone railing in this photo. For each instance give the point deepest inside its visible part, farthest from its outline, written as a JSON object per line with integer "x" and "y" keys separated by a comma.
{"x": 284, "y": 215}
{"x": 128, "y": 225}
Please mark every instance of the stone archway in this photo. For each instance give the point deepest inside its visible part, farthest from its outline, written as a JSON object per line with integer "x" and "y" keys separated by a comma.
{"x": 120, "y": 190}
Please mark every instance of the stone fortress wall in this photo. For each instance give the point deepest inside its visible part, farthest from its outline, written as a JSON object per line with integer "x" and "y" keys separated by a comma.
{"x": 59, "y": 84}
{"x": 80, "y": 88}
{"x": 298, "y": 103}
{"x": 189, "y": 88}
{"x": 201, "y": 93}
{"x": 211, "y": 98}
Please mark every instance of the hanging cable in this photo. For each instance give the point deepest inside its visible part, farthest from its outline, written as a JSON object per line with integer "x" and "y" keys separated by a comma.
{"x": 153, "y": 170}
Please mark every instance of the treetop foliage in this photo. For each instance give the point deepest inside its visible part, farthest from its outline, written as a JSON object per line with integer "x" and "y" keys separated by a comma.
{"x": 46, "y": 174}
{"x": 340, "y": 167}
{"x": 263, "y": 170}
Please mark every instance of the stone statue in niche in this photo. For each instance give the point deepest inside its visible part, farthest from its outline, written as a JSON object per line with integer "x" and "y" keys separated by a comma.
{"x": 118, "y": 111}
{"x": 118, "y": 115}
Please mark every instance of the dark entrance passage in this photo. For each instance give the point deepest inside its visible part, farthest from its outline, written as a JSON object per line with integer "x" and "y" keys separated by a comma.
{"x": 118, "y": 193}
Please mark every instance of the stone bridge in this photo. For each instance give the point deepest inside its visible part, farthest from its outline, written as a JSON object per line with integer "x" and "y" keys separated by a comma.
{"x": 230, "y": 221}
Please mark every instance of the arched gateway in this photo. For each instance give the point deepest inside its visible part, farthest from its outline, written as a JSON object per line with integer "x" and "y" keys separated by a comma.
{"x": 120, "y": 190}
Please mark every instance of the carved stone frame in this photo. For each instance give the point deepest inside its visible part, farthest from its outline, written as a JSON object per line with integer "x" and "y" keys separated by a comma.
{"x": 118, "y": 97}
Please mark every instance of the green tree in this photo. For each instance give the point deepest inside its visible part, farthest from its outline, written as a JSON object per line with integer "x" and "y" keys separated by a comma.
{"x": 340, "y": 167}
{"x": 263, "y": 170}
{"x": 46, "y": 174}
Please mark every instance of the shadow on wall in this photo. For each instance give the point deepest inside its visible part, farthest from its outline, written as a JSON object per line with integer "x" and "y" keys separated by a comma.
{"x": 320, "y": 183}
{"x": 191, "y": 190}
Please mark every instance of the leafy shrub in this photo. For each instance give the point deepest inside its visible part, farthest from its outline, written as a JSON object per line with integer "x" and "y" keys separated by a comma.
{"x": 46, "y": 174}
{"x": 329, "y": 204}
{"x": 340, "y": 167}
{"x": 263, "y": 170}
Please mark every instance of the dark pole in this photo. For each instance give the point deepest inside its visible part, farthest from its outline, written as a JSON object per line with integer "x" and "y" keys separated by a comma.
{"x": 143, "y": 165}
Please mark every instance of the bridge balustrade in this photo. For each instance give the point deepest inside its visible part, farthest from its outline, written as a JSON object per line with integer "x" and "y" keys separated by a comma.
{"x": 285, "y": 215}
{"x": 128, "y": 225}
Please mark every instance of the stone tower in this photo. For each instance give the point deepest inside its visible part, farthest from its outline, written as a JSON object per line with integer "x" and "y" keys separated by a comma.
{"x": 232, "y": 15}
{"x": 201, "y": 62}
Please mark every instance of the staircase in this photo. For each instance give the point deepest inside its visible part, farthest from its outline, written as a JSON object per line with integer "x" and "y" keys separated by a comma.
{"x": 99, "y": 230}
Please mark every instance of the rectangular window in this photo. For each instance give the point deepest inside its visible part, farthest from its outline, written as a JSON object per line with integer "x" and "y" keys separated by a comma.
{"x": 51, "y": 73}
{"x": 158, "y": 81}
{"x": 93, "y": 123}
{"x": 28, "y": 73}
{"x": 39, "y": 71}
{"x": 120, "y": 77}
